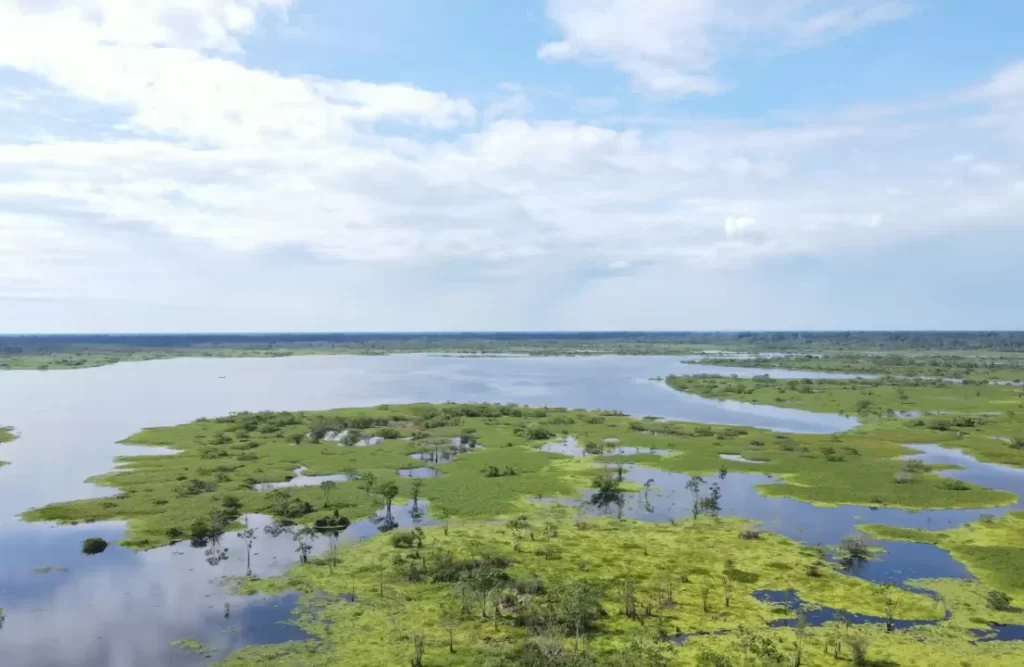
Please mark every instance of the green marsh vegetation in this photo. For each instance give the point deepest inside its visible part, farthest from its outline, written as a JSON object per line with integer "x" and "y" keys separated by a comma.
{"x": 503, "y": 581}
{"x": 498, "y": 463}
{"x": 42, "y": 352}
{"x": 94, "y": 545}
{"x": 984, "y": 419}
{"x": 548, "y": 588}
{"x": 6, "y": 435}
{"x": 976, "y": 367}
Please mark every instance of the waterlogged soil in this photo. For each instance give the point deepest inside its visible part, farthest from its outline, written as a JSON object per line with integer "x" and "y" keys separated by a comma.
{"x": 665, "y": 498}
{"x": 124, "y": 608}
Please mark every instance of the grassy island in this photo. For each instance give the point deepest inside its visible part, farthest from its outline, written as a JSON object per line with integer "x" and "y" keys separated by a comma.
{"x": 496, "y": 463}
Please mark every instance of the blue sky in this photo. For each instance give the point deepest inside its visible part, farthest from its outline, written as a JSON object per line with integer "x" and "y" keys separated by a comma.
{"x": 268, "y": 165}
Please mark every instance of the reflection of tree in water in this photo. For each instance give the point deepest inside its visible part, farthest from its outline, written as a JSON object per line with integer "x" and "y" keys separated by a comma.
{"x": 385, "y": 523}
{"x": 215, "y": 555}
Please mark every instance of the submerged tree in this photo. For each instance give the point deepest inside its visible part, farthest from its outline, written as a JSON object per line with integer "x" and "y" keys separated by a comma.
{"x": 693, "y": 485}
{"x": 854, "y": 550}
{"x": 387, "y": 493}
{"x": 304, "y": 536}
{"x": 248, "y": 537}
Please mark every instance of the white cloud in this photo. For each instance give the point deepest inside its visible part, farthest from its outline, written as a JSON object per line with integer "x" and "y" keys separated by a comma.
{"x": 138, "y": 60}
{"x": 1008, "y": 82}
{"x": 738, "y": 225}
{"x": 242, "y": 167}
{"x": 673, "y": 46}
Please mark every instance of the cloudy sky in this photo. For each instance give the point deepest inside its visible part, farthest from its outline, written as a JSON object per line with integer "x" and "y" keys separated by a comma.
{"x": 355, "y": 165}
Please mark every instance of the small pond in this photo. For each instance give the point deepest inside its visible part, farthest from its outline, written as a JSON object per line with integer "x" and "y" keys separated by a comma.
{"x": 737, "y": 458}
{"x": 301, "y": 479}
{"x": 424, "y": 472}
{"x": 571, "y": 446}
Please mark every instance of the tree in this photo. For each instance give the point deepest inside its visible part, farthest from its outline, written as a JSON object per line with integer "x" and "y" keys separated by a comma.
{"x": 445, "y": 516}
{"x": 248, "y": 537}
{"x": 705, "y": 591}
{"x": 645, "y": 649}
{"x": 712, "y": 503}
{"x": 693, "y": 485}
{"x": 578, "y": 603}
{"x": 801, "y": 633}
{"x": 451, "y": 615}
{"x": 891, "y": 598}
{"x": 231, "y": 505}
{"x": 328, "y": 486}
{"x": 388, "y": 492}
{"x": 332, "y": 549}
{"x": 859, "y": 648}
{"x": 419, "y": 645}
{"x": 304, "y": 536}
{"x": 628, "y": 587}
{"x": 854, "y": 550}
{"x": 369, "y": 480}
{"x": 417, "y": 484}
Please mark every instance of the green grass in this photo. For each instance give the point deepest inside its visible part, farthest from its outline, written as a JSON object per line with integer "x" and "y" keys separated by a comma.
{"x": 986, "y": 420}
{"x": 6, "y": 435}
{"x": 193, "y": 646}
{"x": 91, "y": 357}
{"x": 972, "y": 367}
{"x": 162, "y": 496}
{"x": 668, "y": 566}
{"x": 992, "y": 549}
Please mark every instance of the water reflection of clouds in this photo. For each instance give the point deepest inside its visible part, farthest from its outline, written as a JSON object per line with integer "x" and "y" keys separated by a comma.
{"x": 123, "y": 608}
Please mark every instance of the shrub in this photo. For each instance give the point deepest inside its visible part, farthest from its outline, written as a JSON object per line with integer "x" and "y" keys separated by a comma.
{"x": 915, "y": 465}
{"x": 859, "y": 648}
{"x": 952, "y": 484}
{"x": 94, "y": 545}
{"x": 999, "y": 601}
{"x": 196, "y": 486}
{"x": 332, "y": 522}
{"x": 533, "y": 432}
{"x": 403, "y": 540}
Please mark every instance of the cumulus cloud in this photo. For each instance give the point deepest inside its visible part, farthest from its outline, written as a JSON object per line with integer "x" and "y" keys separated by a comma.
{"x": 187, "y": 176}
{"x": 673, "y": 46}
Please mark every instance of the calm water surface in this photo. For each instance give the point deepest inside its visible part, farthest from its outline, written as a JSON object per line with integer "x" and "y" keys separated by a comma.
{"x": 122, "y": 609}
